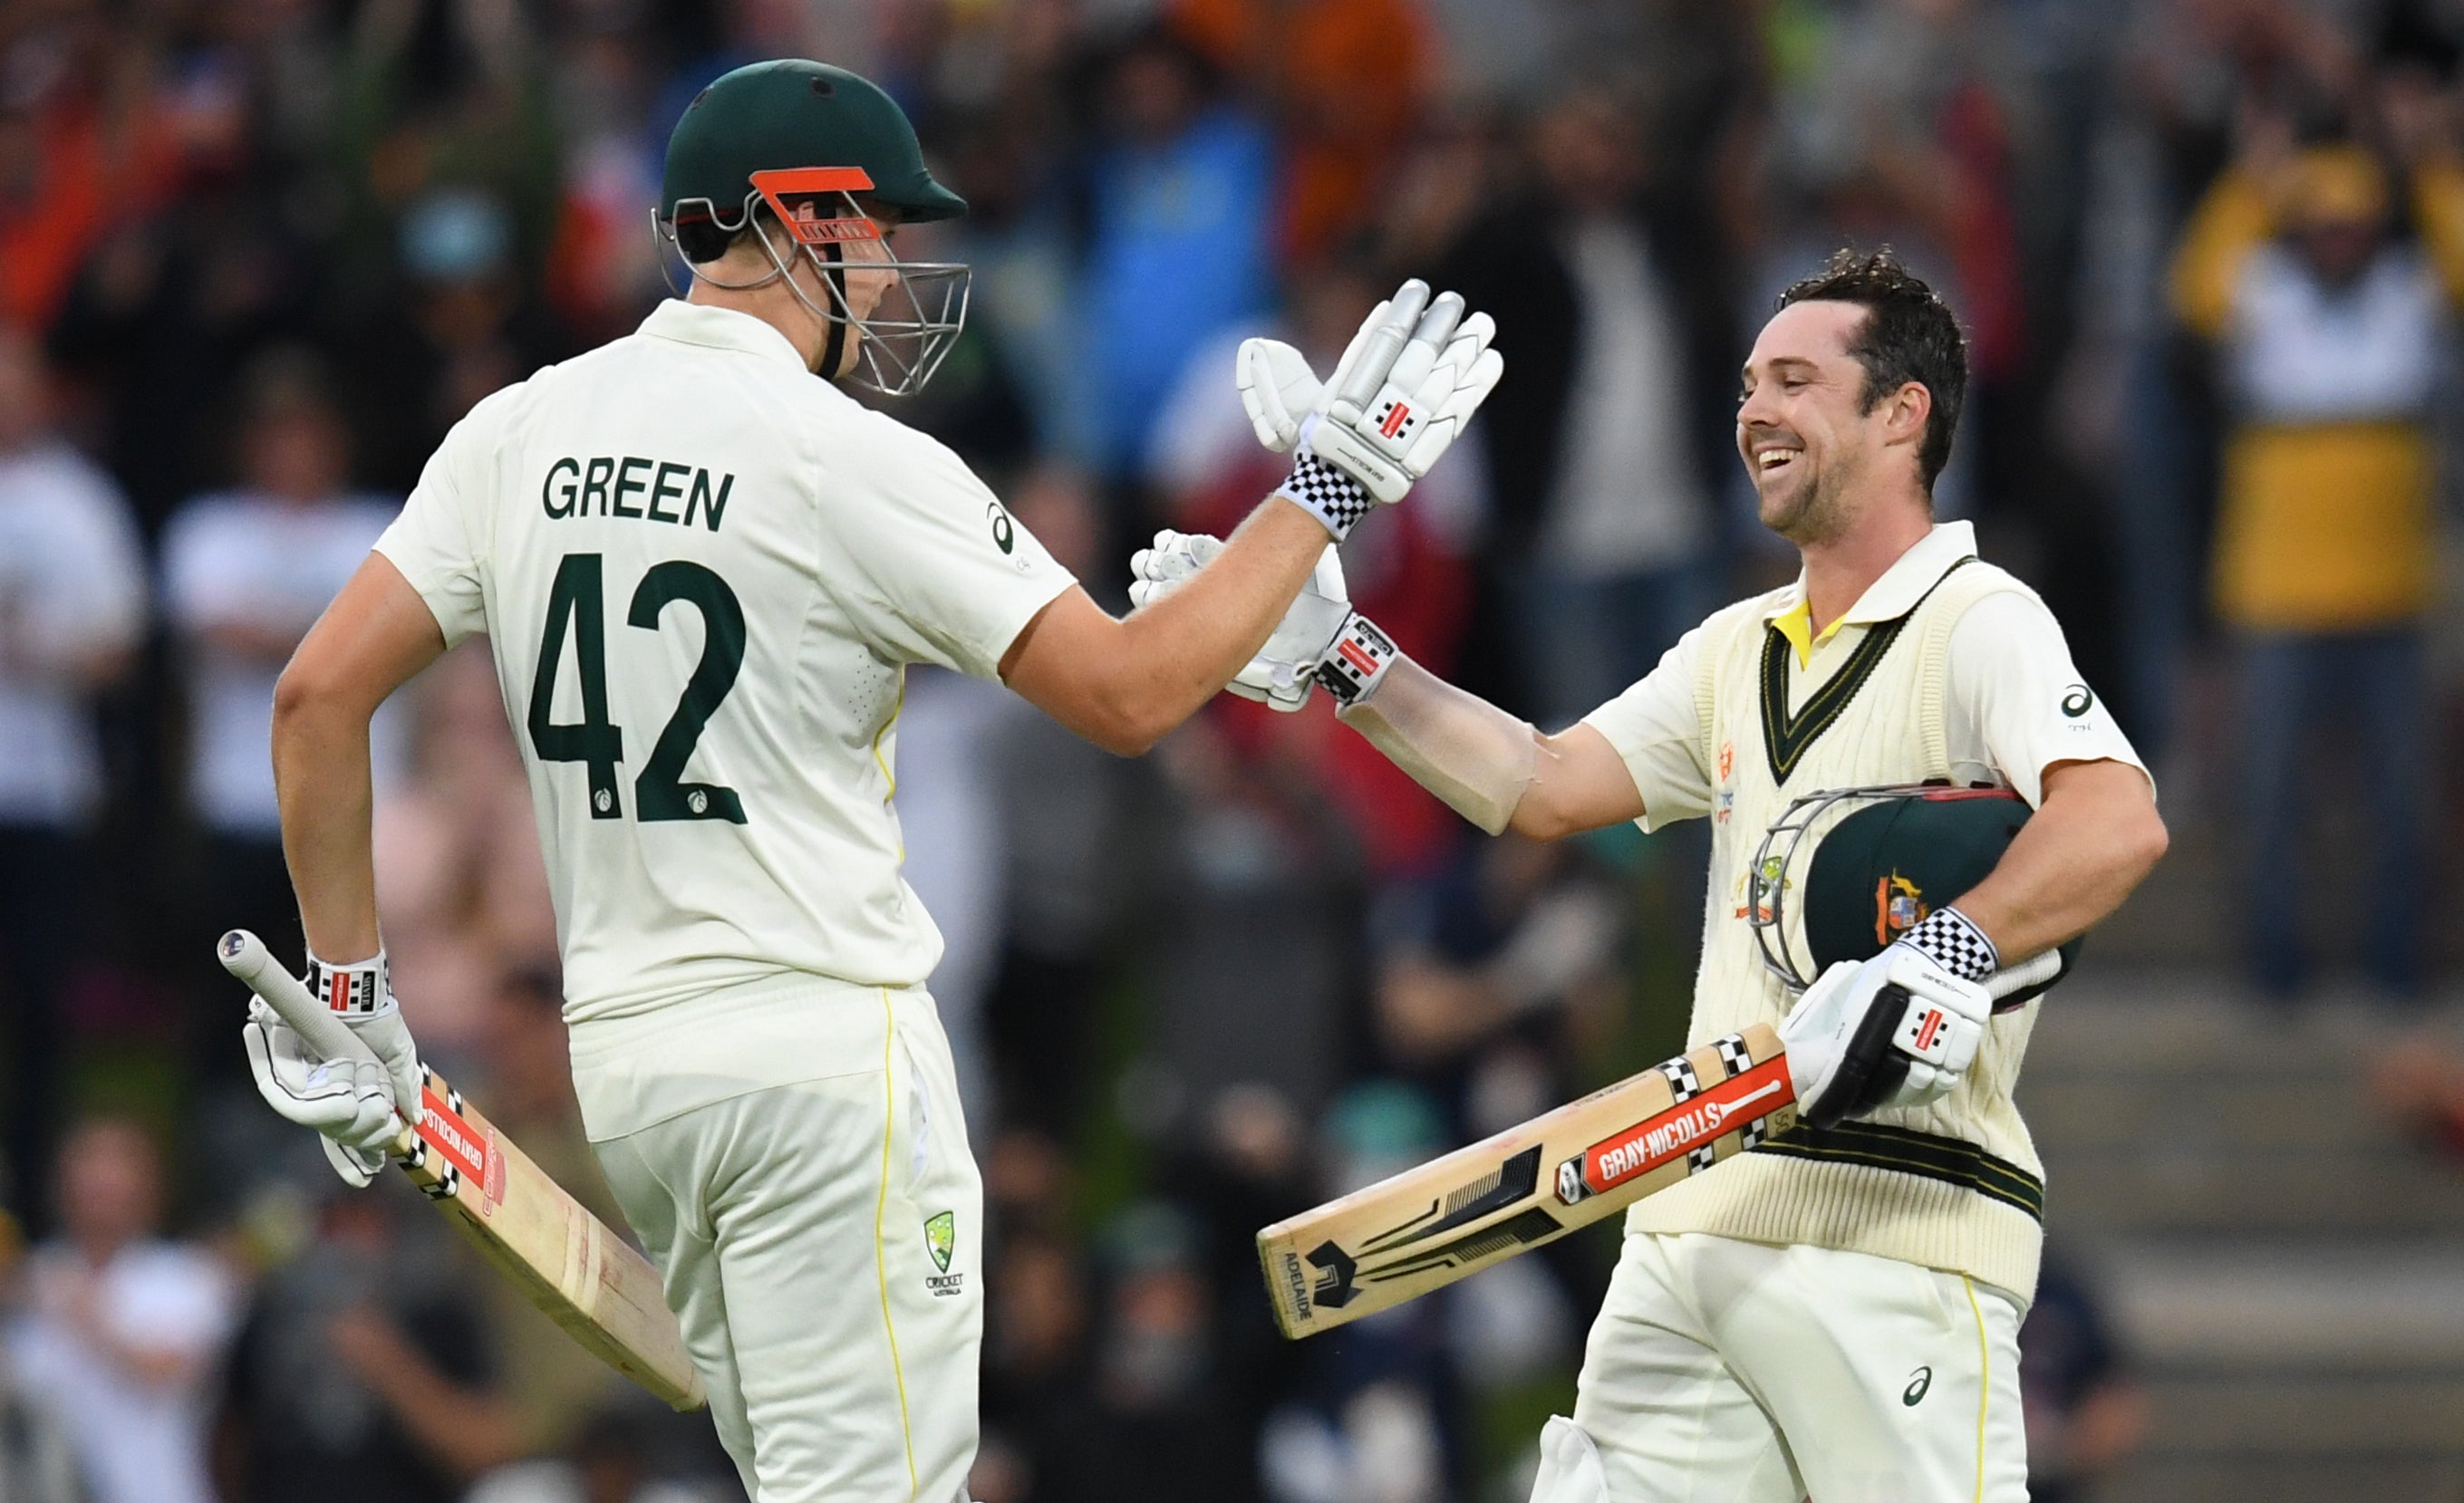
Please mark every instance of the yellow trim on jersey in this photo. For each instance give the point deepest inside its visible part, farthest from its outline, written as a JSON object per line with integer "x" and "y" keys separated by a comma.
{"x": 1983, "y": 1380}
{"x": 881, "y": 762}
{"x": 1796, "y": 624}
{"x": 880, "y": 1211}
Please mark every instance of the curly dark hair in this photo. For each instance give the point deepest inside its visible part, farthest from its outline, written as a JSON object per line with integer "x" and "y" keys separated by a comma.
{"x": 1909, "y": 335}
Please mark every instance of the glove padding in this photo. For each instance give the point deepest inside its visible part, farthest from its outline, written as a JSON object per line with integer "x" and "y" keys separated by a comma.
{"x": 1406, "y": 385}
{"x": 1285, "y": 670}
{"x": 349, "y": 1102}
{"x": 1893, "y": 1031}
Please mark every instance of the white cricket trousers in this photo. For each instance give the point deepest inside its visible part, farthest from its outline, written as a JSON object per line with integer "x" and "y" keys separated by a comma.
{"x": 801, "y": 1232}
{"x": 1723, "y": 1371}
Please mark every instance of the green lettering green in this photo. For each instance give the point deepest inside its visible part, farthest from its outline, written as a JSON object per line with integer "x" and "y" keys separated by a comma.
{"x": 662, "y": 488}
{"x": 550, "y": 492}
{"x": 594, "y": 484}
{"x": 626, "y": 480}
{"x": 710, "y": 504}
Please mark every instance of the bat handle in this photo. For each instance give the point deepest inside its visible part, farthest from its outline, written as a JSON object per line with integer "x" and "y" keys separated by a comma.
{"x": 245, "y": 956}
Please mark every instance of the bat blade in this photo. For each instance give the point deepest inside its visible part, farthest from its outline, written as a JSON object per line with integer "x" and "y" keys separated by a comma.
{"x": 565, "y": 1260}
{"x": 1425, "y": 1227}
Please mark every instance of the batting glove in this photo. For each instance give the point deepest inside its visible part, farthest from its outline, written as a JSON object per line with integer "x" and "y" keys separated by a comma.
{"x": 349, "y": 1102}
{"x": 1897, "y": 1029}
{"x": 1288, "y": 666}
{"x": 1399, "y": 397}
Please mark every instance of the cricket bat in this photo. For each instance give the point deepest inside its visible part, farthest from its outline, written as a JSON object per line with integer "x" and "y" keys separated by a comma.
{"x": 1425, "y": 1227}
{"x": 565, "y": 1260}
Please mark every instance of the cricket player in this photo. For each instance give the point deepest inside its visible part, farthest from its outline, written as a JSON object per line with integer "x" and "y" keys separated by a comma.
{"x": 703, "y": 571}
{"x": 1835, "y": 1314}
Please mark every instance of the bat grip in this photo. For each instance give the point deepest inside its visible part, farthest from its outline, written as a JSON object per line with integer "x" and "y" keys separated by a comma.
{"x": 245, "y": 956}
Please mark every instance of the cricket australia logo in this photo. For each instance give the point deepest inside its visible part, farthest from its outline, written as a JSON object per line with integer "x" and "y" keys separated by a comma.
{"x": 941, "y": 1240}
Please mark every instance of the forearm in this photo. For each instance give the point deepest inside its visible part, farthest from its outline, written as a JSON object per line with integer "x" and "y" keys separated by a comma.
{"x": 322, "y": 782}
{"x": 1494, "y": 769}
{"x": 2095, "y": 837}
{"x": 1477, "y": 759}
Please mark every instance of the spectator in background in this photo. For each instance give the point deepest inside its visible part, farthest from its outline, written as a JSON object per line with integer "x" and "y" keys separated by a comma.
{"x": 245, "y": 573}
{"x": 1179, "y": 205}
{"x": 72, "y": 607}
{"x": 1491, "y": 972}
{"x": 77, "y": 146}
{"x": 1342, "y": 81}
{"x": 2326, "y": 331}
{"x": 121, "y": 1331}
{"x": 1372, "y": 1418}
{"x": 1598, "y": 461}
{"x": 363, "y": 1371}
{"x": 460, "y": 326}
{"x": 1154, "y": 1421}
{"x": 2084, "y": 1414}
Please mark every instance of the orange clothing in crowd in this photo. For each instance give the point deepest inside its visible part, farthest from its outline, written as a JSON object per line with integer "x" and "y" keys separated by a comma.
{"x": 1345, "y": 81}
{"x": 86, "y": 170}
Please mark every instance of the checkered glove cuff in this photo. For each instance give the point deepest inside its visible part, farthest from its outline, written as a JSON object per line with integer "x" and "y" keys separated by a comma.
{"x": 1956, "y": 945}
{"x": 1326, "y": 493}
{"x": 354, "y": 991}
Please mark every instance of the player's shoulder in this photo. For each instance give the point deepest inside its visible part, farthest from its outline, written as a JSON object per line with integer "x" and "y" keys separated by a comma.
{"x": 875, "y": 444}
{"x": 2001, "y": 595}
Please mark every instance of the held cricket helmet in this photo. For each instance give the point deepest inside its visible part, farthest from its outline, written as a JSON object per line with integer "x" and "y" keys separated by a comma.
{"x": 1854, "y": 868}
{"x": 804, "y": 139}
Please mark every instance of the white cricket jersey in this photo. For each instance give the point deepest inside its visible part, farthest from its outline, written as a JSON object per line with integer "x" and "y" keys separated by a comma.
{"x": 703, "y": 571}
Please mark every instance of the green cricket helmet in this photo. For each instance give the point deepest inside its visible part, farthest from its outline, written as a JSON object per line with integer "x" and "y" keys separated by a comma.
{"x": 1861, "y": 866}
{"x": 804, "y": 139}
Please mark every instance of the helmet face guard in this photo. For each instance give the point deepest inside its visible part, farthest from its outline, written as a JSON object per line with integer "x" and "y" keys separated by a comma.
{"x": 1783, "y": 865}
{"x": 907, "y": 328}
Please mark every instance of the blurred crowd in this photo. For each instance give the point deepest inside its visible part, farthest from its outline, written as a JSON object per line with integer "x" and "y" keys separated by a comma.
{"x": 258, "y": 255}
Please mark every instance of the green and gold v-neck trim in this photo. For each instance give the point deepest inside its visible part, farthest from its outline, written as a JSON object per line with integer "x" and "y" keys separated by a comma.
{"x": 1788, "y": 734}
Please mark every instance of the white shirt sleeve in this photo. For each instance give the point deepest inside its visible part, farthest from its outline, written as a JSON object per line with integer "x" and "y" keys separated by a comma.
{"x": 2014, "y": 704}
{"x": 1657, "y": 729}
{"x": 935, "y": 567}
{"x": 436, "y": 542}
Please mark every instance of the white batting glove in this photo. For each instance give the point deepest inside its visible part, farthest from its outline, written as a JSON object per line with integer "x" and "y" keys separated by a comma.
{"x": 1399, "y": 397}
{"x": 348, "y": 1102}
{"x": 1287, "y": 667}
{"x": 1897, "y": 1029}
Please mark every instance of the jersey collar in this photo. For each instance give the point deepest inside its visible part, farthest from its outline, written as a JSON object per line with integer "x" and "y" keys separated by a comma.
{"x": 719, "y": 329}
{"x": 1892, "y": 596}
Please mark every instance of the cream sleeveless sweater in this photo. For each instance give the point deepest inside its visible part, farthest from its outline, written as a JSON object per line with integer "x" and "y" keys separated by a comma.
{"x": 1955, "y": 1185}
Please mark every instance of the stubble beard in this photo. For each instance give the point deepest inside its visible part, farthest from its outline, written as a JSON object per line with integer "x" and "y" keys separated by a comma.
{"x": 1817, "y": 513}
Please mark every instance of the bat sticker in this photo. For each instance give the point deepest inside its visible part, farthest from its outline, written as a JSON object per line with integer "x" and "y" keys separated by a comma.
{"x": 1688, "y": 1130}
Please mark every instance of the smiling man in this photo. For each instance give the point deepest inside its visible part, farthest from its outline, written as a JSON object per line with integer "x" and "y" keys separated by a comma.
{"x": 1837, "y": 1313}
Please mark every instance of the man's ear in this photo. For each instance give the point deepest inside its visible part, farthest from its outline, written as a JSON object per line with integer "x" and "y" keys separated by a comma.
{"x": 1906, "y": 412}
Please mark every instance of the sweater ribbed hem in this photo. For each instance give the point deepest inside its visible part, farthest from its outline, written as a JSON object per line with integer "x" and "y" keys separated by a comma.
{"x": 1853, "y": 1208}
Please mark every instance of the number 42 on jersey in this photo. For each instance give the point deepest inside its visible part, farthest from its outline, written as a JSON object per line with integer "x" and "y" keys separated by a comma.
{"x": 577, "y": 614}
